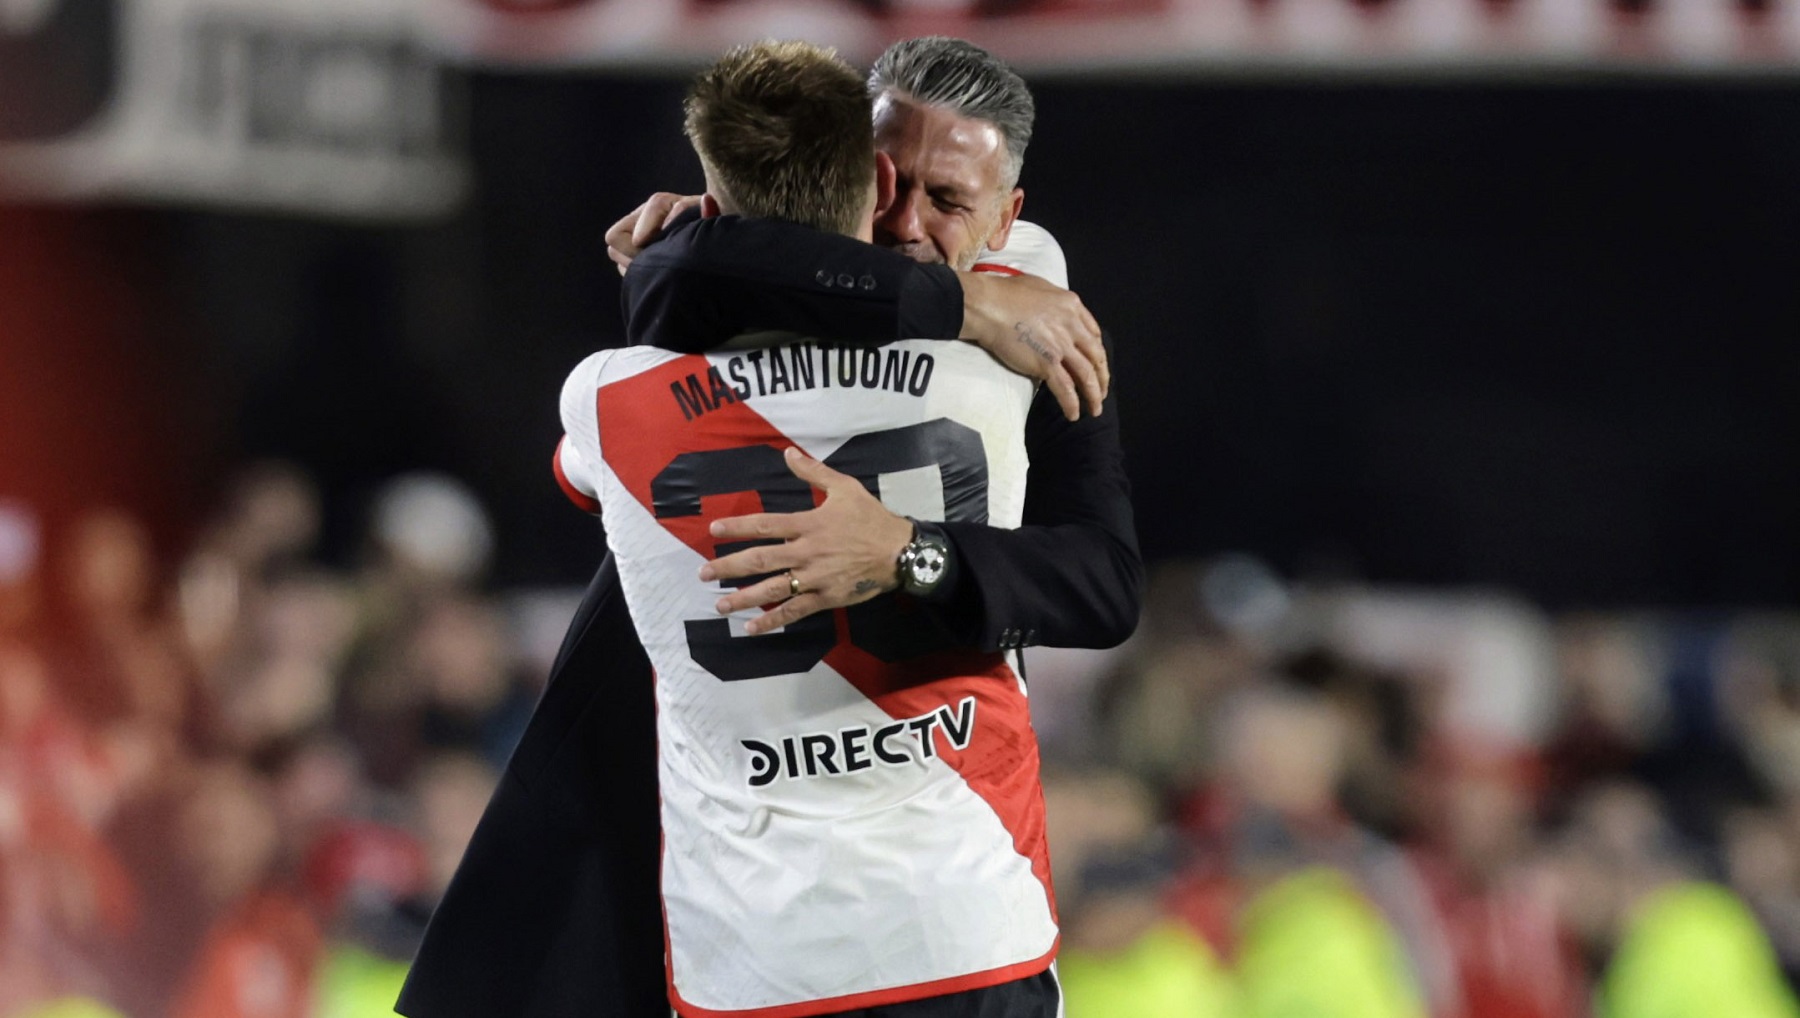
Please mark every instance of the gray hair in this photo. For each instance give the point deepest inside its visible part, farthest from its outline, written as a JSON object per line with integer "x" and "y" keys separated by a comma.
{"x": 965, "y": 79}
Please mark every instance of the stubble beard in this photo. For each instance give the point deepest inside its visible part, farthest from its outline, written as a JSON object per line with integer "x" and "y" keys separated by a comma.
{"x": 926, "y": 253}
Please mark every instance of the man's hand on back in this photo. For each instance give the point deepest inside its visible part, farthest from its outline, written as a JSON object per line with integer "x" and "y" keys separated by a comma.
{"x": 1041, "y": 331}
{"x": 628, "y": 237}
{"x": 842, "y": 553}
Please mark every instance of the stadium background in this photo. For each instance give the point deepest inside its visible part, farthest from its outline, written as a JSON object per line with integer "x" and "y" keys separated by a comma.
{"x": 1456, "y": 369}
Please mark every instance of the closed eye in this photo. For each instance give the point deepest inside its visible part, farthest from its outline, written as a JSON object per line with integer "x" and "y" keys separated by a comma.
{"x": 947, "y": 203}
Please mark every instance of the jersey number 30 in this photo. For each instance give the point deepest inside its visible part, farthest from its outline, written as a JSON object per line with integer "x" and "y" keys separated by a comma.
{"x": 907, "y": 457}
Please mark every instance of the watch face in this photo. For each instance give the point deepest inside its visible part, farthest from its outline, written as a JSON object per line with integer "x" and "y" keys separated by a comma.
{"x": 928, "y": 565}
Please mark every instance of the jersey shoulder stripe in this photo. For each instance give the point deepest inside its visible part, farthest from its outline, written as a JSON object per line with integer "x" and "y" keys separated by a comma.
{"x": 1029, "y": 249}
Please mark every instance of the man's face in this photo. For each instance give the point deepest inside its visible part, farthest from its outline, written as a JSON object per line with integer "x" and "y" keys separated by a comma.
{"x": 948, "y": 203}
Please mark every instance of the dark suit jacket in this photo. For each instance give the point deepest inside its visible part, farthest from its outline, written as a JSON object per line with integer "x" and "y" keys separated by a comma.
{"x": 554, "y": 911}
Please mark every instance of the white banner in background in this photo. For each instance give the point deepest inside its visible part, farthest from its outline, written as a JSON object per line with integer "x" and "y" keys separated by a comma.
{"x": 1286, "y": 36}
{"x": 322, "y": 106}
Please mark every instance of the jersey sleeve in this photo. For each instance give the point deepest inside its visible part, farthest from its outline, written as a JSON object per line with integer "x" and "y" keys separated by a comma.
{"x": 576, "y": 463}
{"x": 1030, "y": 250}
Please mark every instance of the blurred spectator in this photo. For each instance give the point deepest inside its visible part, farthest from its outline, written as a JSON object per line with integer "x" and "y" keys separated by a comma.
{"x": 1761, "y": 862}
{"x": 354, "y": 983}
{"x": 127, "y": 662}
{"x": 1275, "y": 810}
{"x": 269, "y": 523}
{"x": 451, "y": 791}
{"x": 1759, "y": 684}
{"x": 1615, "y": 709}
{"x": 262, "y": 940}
{"x": 285, "y": 683}
{"x": 1123, "y": 953}
{"x": 1513, "y": 958}
{"x": 443, "y": 677}
{"x": 1312, "y": 945}
{"x": 431, "y": 665}
{"x": 1124, "y": 956}
{"x": 429, "y": 532}
{"x": 62, "y": 886}
{"x": 1678, "y": 946}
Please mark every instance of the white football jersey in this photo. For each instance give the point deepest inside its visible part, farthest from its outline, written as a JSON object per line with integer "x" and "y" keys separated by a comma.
{"x": 1030, "y": 249}
{"x": 852, "y": 814}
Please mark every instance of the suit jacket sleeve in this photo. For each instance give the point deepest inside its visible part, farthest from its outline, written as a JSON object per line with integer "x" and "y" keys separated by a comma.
{"x": 708, "y": 280}
{"x": 1071, "y": 575}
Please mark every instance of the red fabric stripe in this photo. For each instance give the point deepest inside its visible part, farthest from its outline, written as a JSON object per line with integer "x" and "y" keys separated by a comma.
{"x": 581, "y": 500}
{"x": 1004, "y": 270}
{"x": 643, "y": 429}
{"x": 878, "y": 998}
{"x": 1001, "y": 762}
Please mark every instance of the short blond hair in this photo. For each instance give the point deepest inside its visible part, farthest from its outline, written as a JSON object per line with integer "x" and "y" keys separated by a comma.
{"x": 783, "y": 130}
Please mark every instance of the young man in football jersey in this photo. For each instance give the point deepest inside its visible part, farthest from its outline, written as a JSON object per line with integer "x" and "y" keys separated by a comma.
{"x": 851, "y": 811}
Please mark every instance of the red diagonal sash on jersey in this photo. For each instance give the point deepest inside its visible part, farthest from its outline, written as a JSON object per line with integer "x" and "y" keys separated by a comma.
{"x": 1001, "y": 764}
{"x": 643, "y": 429}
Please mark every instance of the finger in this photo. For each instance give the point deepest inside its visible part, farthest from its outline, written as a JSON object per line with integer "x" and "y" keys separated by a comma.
{"x": 1088, "y": 319}
{"x": 786, "y": 613}
{"x": 620, "y": 258}
{"x": 1092, "y": 340}
{"x": 686, "y": 202}
{"x": 619, "y": 246}
{"x": 1088, "y": 380}
{"x": 764, "y": 558}
{"x": 1063, "y": 388}
{"x": 1095, "y": 349}
{"x": 656, "y": 213}
{"x": 621, "y": 230}
{"x": 813, "y": 472}
{"x": 774, "y": 526}
{"x": 770, "y": 591}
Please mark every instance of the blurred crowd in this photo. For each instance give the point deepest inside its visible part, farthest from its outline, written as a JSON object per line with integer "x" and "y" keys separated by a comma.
{"x": 233, "y": 781}
{"x": 1329, "y": 801}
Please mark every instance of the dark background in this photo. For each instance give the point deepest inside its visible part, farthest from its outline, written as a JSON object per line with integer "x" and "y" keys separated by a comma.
{"x": 1529, "y": 333}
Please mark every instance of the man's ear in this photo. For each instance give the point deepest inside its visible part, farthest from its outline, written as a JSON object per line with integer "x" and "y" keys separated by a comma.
{"x": 884, "y": 183}
{"x": 1009, "y": 214}
{"x": 709, "y": 206}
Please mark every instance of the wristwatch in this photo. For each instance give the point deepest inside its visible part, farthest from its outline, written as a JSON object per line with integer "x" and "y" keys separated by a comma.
{"x": 924, "y": 561}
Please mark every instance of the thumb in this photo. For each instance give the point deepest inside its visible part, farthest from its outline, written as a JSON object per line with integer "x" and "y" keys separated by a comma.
{"x": 812, "y": 471}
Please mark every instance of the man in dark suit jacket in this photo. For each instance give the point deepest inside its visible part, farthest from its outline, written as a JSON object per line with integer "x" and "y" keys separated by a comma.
{"x": 554, "y": 910}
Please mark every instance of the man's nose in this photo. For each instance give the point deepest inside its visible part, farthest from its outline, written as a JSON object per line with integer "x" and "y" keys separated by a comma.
{"x": 902, "y": 219}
